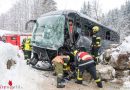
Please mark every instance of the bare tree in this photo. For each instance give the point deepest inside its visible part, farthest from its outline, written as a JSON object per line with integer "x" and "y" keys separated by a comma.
{"x": 23, "y": 11}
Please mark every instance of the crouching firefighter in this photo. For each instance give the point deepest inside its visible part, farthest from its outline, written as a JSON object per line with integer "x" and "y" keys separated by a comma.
{"x": 84, "y": 61}
{"x": 96, "y": 44}
{"x": 60, "y": 62}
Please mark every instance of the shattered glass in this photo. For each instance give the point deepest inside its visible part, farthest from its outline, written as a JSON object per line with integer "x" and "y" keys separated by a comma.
{"x": 49, "y": 32}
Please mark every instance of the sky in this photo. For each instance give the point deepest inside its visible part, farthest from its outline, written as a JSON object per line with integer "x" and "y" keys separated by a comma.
{"x": 106, "y": 5}
{"x": 5, "y": 5}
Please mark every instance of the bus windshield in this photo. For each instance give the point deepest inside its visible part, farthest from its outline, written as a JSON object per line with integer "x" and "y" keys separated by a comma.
{"x": 49, "y": 32}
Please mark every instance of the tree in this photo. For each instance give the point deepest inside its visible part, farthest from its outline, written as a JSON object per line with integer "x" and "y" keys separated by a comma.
{"x": 86, "y": 9}
{"x": 96, "y": 10}
{"x": 119, "y": 20}
{"x": 23, "y": 11}
{"x": 92, "y": 9}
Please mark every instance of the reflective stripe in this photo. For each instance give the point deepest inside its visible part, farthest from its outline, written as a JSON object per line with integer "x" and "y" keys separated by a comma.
{"x": 98, "y": 80}
{"x": 78, "y": 77}
{"x": 86, "y": 57}
{"x": 60, "y": 75}
{"x": 98, "y": 38}
{"x": 97, "y": 43}
{"x": 92, "y": 61}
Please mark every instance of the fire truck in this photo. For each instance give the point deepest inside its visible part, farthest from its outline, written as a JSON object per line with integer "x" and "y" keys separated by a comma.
{"x": 15, "y": 39}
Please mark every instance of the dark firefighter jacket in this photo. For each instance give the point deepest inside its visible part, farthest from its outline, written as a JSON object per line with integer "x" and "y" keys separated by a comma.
{"x": 96, "y": 41}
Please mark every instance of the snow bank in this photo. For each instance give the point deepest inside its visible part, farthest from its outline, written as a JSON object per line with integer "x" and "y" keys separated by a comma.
{"x": 125, "y": 46}
{"x": 7, "y": 52}
{"x": 22, "y": 76}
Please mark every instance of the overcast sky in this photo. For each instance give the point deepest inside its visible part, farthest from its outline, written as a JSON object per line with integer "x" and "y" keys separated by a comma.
{"x": 5, "y": 5}
{"x": 106, "y": 5}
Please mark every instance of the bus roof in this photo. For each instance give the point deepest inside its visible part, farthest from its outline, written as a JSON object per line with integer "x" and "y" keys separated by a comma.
{"x": 66, "y": 12}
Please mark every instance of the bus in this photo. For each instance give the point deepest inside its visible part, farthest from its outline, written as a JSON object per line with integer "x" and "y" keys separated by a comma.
{"x": 66, "y": 29}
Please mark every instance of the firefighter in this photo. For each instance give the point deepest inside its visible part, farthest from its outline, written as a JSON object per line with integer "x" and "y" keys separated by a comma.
{"x": 60, "y": 63}
{"x": 23, "y": 43}
{"x": 27, "y": 49}
{"x": 96, "y": 44}
{"x": 84, "y": 61}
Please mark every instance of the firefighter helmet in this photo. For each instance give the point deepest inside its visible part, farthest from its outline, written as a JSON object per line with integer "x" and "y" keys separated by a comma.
{"x": 95, "y": 29}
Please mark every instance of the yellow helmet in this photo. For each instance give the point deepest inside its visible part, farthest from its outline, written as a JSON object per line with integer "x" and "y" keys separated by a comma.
{"x": 95, "y": 29}
{"x": 75, "y": 52}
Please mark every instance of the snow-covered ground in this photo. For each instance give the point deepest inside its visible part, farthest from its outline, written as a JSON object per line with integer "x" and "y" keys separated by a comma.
{"x": 24, "y": 77}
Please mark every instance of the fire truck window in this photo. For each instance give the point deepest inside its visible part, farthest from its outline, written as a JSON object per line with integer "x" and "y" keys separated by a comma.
{"x": 13, "y": 38}
{"x": 108, "y": 35}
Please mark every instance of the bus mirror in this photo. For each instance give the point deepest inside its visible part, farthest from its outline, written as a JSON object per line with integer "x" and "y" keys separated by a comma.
{"x": 30, "y": 21}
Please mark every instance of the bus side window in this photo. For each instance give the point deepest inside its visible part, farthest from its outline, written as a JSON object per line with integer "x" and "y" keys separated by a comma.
{"x": 87, "y": 31}
{"x": 107, "y": 35}
{"x": 78, "y": 28}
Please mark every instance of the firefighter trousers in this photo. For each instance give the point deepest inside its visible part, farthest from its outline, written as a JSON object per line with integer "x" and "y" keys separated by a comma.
{"x": 27, "y": 54}
{"x": 90, "y": 68}
{"x": 58, "y": 68}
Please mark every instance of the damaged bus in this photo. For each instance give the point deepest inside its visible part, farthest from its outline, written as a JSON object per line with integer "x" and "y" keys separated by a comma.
{"x": 68, "y": 30}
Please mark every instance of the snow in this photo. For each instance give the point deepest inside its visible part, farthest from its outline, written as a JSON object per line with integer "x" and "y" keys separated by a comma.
{"x": 123, "y": 48}
{"x": 21, "y": 75}
{"x": 2, "y": 32}
{"x": 27, "y": 78}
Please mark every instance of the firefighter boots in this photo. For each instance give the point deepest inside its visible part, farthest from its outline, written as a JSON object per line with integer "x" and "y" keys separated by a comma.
{"x": 78, "y": 81}
{"x": 99, "y": 84}
{"x": 60, "y": 84}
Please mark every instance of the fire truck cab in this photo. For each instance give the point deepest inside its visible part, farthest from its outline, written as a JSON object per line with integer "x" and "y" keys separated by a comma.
{"x": 15, "y": 39}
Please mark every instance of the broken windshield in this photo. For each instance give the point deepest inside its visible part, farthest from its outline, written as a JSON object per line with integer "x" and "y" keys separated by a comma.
{"x": 49, "y": 32}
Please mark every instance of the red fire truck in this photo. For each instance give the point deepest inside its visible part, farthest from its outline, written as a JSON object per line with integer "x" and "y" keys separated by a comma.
{"x": 15, "y": 39}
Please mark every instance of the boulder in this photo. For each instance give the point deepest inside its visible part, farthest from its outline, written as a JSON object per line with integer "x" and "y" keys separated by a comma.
{"x": 105, "y": 72}
{"x": 10, "y": 63}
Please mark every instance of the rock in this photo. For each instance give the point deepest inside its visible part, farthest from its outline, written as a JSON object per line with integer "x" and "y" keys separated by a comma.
{"x": 106, "y": 72}
{"x": 10, "y": 63}
{"x": 106, "y": 56}
{"x": 122, "y": 73}
{"x": 117, "y": 81}
{"x": 121, "y": 62}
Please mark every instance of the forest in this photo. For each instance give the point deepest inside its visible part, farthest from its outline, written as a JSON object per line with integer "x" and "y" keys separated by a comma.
{"x": 24, "y": 10}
